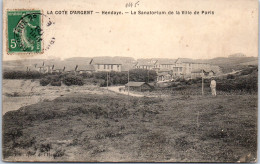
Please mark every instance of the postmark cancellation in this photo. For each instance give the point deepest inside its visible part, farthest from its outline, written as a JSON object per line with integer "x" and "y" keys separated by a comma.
{"x": 24, "y": 31}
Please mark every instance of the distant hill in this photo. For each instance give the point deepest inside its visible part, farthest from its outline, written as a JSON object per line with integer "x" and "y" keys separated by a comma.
{"x": 233, "y": 62}
{"x": 222, "y": 61}
{"x": 21, "y": 65}
{"x": 237, "y": 55}
{"x": 254, "y": 62}
{"x": 78, "y": 59}
{"x": 69, "y": 63}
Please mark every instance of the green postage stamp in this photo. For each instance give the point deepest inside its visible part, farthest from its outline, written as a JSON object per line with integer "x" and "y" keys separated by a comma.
{"x": 24, "y": 31}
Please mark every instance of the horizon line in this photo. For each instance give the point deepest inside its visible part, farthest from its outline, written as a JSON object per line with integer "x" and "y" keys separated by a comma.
{"x": 59, "y": 58}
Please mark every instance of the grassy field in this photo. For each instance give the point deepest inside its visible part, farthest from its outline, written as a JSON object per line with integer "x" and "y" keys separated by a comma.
{"x": 111, "y": 127}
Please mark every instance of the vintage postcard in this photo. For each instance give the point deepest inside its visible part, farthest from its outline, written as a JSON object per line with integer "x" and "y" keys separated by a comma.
{"x": 130, "y": 80}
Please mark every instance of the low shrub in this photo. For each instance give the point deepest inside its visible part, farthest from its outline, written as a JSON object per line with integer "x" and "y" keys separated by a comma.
{"x": 248, "y": 70}
{"x": 45, "y": 81}
{"x": 248, "y": 84}
{"x": 58, "y": 153}
{"x": 230, "y": 76}
{"x": 73, "y": 80}
{"x": 115, "y": 78}
{"x": 87, "y": 75}
{"x": 45, "y": 147}
{"x": 93, "y": 81}
{"x": 104, "y": 84}
{"x": 56, "y": 83}
{"x": 14, "y": 94}
{"x": 54, "y": 80}
{"x": 22, "y": 75}
{"x": 173, "y": 85}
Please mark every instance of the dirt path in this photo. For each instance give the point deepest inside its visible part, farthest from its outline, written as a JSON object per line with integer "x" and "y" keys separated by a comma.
{"x": 229, "y": 73}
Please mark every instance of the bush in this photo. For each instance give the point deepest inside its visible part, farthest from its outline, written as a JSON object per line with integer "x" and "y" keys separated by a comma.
{"x": 56, "y": 83}
{"x": 87, "y": 75}
{"x": 22, "y": 75}
{"x": 122, "y": 77}
{"x": 73, "y": 80}
{"x": 93, "y": 81}
{"x": 230, "y": 76}
{"x": 142, "y": 75}
{"x": 54, "y": 80}
{"x": 248, "y": 70}
{"x": 58, "y": 153}
{"x": 100, "y": 75}
{"x": 248, "y": 84}
{"x": 174, "y": 84}
{"x": 104, "y": 84}
{"x": 45, "y": 81}
{"x": 115, "y": 78}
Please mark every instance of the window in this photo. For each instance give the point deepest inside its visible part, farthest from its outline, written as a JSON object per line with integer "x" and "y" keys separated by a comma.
{"x": 97, "y": 66}
{"x": 118, "y": 67}
{"x": 104, "y": 66}
{"x": 111, "y": 66}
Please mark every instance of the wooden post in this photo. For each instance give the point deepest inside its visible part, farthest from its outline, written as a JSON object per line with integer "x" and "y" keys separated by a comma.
{"x": 148, "y": 76}
{"x": 202, "y": 87}
{"x": 128, "y": 84}
{"x": 107, "y": 80}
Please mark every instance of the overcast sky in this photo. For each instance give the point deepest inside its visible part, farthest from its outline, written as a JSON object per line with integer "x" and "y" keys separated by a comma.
{"x": 232, "y": 29}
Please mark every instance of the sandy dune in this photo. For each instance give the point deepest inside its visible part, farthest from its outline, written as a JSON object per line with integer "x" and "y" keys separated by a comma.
{"x": 18, "y": 93}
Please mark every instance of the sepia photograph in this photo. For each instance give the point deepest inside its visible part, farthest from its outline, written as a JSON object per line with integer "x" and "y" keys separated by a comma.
{"x": 130, "y": 81}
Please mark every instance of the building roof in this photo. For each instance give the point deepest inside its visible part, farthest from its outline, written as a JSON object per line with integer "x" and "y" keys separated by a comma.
{"x": 185, "y": 60}
{"x": 188, "y": 60}
{"x": 145, "y": 62}
{"x": 71, "y": 66}
{"x": 57, "y": 65}
{"x": 200, "y": 70}
{"x": 85, "y": 68}
{"x": 166, "y": 61}
{"x": 89, "y": 68}
{"x": 135, "y": 84}
{"x": 152, "y": 84}
{"x": 105, "y": 60}
{"x": 201, "y": 61}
